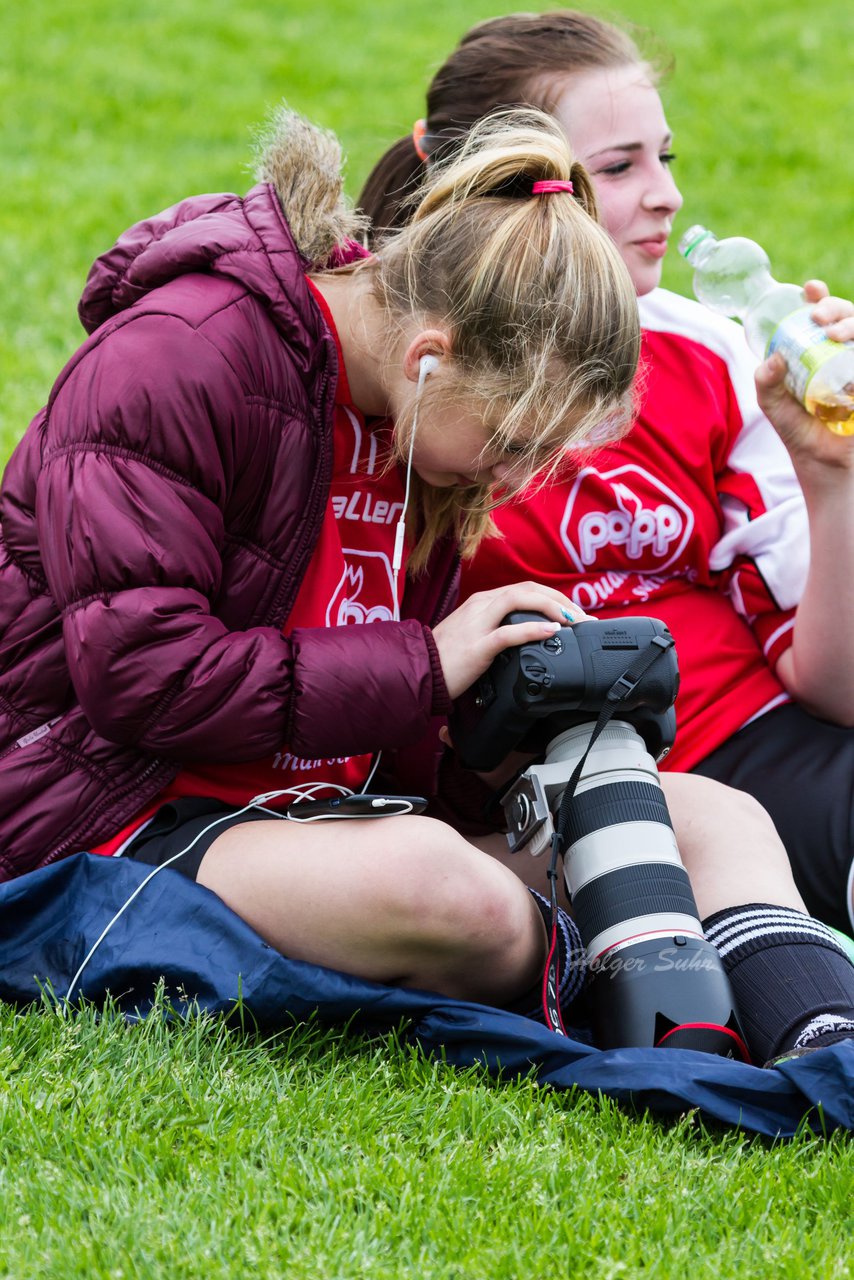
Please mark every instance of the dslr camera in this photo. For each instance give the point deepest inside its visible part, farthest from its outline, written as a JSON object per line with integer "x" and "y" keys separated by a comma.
{"x": 654, "y": 979}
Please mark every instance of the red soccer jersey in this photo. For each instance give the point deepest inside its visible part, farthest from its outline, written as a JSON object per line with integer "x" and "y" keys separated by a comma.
{"x": 695, "y": 518}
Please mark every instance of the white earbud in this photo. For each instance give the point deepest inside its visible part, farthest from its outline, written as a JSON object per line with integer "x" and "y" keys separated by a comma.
{"x": 426, "y": 366}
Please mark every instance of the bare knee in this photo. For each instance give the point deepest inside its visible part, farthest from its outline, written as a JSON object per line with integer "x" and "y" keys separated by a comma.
{"x": 471, "y": 913}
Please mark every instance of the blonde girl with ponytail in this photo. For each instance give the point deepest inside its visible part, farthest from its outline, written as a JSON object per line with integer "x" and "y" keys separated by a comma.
{"x": 241, "y": 516}
{"x": 529, "y": 310}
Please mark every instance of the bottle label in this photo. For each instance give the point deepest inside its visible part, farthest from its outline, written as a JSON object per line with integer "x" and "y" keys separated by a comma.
{"x": 804, "y": 346}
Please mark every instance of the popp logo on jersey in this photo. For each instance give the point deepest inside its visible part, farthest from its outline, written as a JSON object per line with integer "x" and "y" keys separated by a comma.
{"x": 627, "y": 508}
{"x": 365, "y": 590}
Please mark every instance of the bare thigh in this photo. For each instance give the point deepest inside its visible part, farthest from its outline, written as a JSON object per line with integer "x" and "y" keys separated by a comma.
{"x": 404, "y": 900}
{"x": 728, "y": 844}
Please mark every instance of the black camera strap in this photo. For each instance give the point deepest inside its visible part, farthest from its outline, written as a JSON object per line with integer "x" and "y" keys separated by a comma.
{"x": 619, "y": 691}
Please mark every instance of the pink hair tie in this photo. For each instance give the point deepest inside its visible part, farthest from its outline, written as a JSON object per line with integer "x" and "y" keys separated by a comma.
{"x": 551, "y": 186}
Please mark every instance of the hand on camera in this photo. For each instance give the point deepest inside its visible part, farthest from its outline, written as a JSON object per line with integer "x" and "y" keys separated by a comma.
{"x": 470, "y": 637}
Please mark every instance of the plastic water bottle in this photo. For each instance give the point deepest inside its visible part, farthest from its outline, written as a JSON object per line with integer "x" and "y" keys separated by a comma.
{"x": 734, "y": 276}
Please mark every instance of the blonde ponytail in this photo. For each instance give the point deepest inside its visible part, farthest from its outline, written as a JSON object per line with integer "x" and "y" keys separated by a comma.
{"x": 539, "y": 304}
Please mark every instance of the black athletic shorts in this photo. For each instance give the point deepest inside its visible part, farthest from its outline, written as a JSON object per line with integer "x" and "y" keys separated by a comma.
{"x": 182, "y": 823}
{"x": 801, "y": 770}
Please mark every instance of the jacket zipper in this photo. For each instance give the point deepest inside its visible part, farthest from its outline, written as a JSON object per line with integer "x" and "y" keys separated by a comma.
{"x": 319, "y": 497}
{"x": 445, "y": 600}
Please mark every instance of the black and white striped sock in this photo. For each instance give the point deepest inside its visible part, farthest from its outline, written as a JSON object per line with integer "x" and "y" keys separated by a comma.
{"x": 793, "y": 984}
{"x": 572, "y": 960}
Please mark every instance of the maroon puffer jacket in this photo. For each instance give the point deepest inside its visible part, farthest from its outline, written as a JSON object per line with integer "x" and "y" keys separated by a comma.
{"x": 156, "y": 521}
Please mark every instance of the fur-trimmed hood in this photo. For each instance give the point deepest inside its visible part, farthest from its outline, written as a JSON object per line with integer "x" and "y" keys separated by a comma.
{"x": 300, "y": 194}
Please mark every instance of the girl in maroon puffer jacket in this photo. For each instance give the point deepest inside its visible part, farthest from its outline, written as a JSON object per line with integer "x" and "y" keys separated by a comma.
{"x": 211, "y": 500}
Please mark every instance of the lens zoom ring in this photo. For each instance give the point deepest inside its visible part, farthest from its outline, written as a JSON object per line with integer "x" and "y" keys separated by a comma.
{"x": 616, "y": 802}
{"x": 647, "y": 888}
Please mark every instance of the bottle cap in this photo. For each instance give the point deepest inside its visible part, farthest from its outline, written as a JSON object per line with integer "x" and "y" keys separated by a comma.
{"x": 693, "y": 236}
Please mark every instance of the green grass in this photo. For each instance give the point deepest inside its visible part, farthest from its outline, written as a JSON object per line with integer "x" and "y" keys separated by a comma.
{"x": 165, "y": 1150}
{"x": 109, "y": 112}
{"x": 156, "y": 1150}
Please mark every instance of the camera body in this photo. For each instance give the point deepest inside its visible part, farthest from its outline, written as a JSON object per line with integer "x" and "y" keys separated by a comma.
{"x": 654, "y": 979}
{"x": 536, "y": 691}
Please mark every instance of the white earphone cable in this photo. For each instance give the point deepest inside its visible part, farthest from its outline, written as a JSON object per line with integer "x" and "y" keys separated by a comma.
{"x": 427, "y": 365}
{"x": 257, "y": 802}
